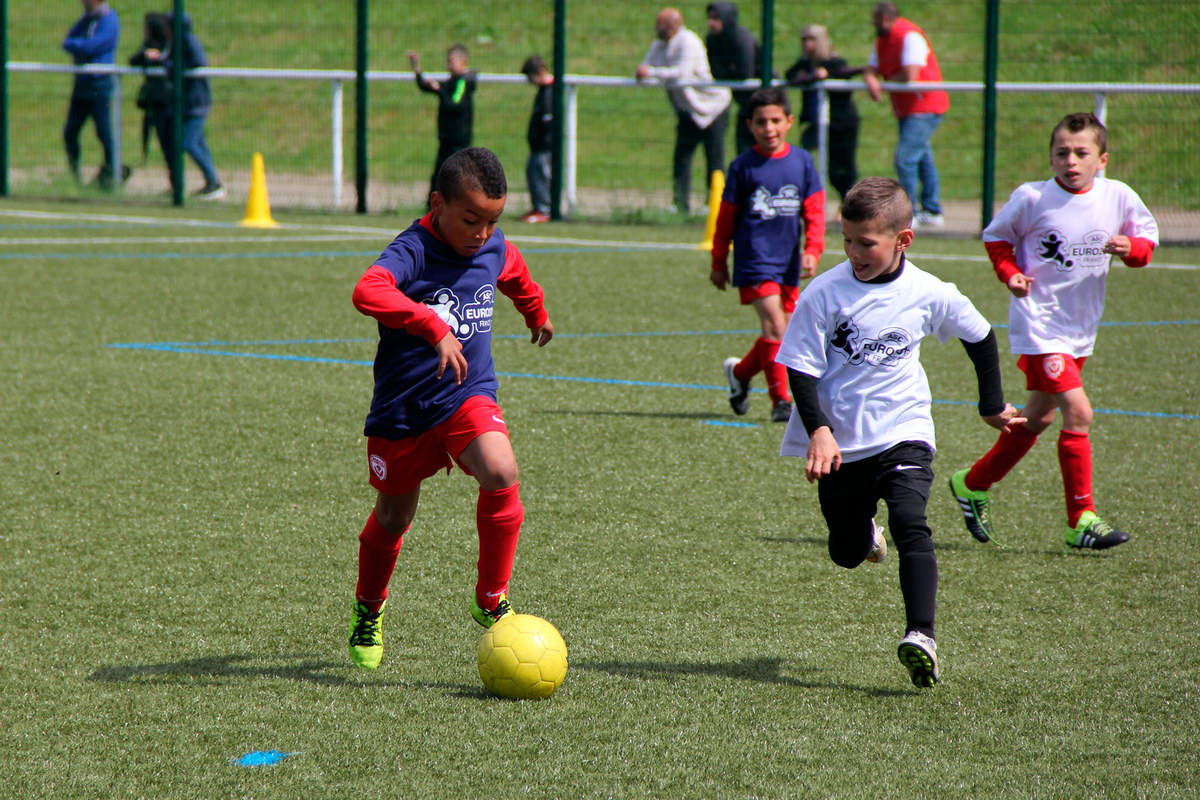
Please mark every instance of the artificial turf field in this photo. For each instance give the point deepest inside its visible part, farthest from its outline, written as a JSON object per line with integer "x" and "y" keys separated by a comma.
{"x": 184, "y": 477}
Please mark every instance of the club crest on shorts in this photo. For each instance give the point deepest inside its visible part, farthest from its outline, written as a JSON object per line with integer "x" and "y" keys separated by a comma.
{"x": 379, "y": 467}
{"x": 1053, "y": 365}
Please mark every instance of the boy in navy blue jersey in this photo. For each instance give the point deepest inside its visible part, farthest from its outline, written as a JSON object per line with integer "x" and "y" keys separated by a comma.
{"x": 432, "y": 291}
{"x": 772, "y": 189}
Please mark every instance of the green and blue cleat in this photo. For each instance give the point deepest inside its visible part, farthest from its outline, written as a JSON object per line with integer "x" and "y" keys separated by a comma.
{"x": 976, "y": 507}
{"x": 1093, "y": 533}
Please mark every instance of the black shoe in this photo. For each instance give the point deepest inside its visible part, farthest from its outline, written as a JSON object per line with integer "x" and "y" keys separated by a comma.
{"x": 739, "y": 393}
{"x": 210, "y": 191}
{"x": 782, "y": 411}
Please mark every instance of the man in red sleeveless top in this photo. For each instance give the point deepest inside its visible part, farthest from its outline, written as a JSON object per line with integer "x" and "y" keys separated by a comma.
{"x": 902, "y": 54}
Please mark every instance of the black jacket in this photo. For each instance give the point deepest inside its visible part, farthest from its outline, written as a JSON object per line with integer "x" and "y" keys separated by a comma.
{"x": 541, "y": 121}
{"x": 734, "y": 54}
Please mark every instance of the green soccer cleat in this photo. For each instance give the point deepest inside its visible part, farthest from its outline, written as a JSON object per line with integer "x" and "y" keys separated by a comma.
{"x": 1093, "y": 533}
{"x": 918, "y": 653}
{"x": 366, "y": 636}
{"x": 488, "y": 618}
{"x": 976, "y": 507}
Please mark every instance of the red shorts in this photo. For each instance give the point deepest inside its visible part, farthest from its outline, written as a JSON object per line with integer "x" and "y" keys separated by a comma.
{"x": 748, "y": 294}
{"x": 1054, "y": 373}
{"x": 399, "y": 465}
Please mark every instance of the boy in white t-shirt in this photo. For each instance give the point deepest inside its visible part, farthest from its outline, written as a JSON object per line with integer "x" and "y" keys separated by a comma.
{"x": 861, "y": 417}
{"x": 1051, "y": 245}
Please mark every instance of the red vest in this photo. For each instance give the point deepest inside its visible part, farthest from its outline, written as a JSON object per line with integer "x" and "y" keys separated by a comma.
{"x": 887, "y": 51}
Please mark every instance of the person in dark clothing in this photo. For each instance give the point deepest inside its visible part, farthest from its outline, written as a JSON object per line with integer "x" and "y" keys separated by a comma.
{"x": 734, "y": 54}
{"x": 540, "y": 138}
{"x": 817, "y": 62}
{"x": 92, "y": 40}
{"x": 456, "y": 105}
{"x": 197, "y": 102}
{"x": 154, "y": 97}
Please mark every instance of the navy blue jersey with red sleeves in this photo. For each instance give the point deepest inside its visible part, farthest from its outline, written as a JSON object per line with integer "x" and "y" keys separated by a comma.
{"x": 772, "y": 195}
{"x": 419, "y": 289}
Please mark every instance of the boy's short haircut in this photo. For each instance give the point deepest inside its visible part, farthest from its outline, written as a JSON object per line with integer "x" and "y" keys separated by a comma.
{"x": 1084, "y": 120}
{"x": 880, "y": 199}
{"x": 533, "y": 66}
{"x": 473, "y": 169}
{"x": 770, "y": 96}
{"x": 458, "y": 48}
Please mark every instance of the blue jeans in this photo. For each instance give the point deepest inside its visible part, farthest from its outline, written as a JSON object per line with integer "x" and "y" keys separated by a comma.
{"x": 537, "y": 175}
{"x": 94, "y": 103}
{"x": 194, "y": 143}
{"x": 914, "y": 159}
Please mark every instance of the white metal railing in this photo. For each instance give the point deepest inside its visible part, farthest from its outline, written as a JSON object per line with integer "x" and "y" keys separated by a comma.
{"x": 337, "y": 78}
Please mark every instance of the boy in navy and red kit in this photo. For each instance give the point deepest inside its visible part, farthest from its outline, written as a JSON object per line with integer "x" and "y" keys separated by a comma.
{"x": 1051, "y": 245}
{"x": 432, "y": 291}
{"x": 772, "y": 190}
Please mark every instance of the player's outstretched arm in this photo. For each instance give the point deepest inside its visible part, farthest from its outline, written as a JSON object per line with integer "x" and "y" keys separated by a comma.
{"x": 824, "y": 455}
{"x": 449, "y": 351}
{"x": 542, "y": 334}
{"x": 1006, "y": 420}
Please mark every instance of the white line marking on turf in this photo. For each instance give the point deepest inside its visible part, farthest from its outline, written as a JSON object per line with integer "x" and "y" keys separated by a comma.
{"x": 369, "y": 232}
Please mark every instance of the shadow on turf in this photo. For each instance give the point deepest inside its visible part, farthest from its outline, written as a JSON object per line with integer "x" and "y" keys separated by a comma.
{"x": 761, "y": 670}
{"x": 224, "y": 670}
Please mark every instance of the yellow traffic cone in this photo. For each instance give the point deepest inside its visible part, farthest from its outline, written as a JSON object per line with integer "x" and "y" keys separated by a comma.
{"x": 715, "y": 189}
{"x": 258, "y": 208}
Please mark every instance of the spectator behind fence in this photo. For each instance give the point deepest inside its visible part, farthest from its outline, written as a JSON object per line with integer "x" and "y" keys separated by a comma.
{"x": 92, "y": 40}
{"x": 197, "y": 102}
{"x": 541, "y": 139}
{"x": 734, "y": 55}
{"x": 456, "y": 105}
{"x": 902, "y": 54}
{"x": 154, "y": 96}
{"x": 678, "y": 56}
{"x": 818, "y": 62}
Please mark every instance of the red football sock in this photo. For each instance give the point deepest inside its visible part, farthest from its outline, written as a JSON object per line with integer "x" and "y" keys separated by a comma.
{"x": 751, "y": 363}
{"x": 775, "y": 373}
{"x": 498, "y": 516}
{"x": 1075, "y": 461}
{"x": 377, "y": 552}
{"x": 1004, "y": 455}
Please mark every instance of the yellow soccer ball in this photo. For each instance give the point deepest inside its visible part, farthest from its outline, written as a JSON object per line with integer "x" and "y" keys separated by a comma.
{"x": 522, "y": 657}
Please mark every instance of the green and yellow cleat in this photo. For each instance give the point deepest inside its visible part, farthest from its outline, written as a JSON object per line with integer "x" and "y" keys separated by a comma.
{"x": 366, "y": 636}
{"x": 1093, "y": 533}
{"x": 488, "y": 618}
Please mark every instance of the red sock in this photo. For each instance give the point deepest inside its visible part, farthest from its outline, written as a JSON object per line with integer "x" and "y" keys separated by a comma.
{"x": 751, "y": 363}
{"x": 377, "y": 552}
{"x": 498, "y": 516}
{"x": 1075, "y": 461}
{"x": 1004, "y": 455}
{"x": 775, "y": 373}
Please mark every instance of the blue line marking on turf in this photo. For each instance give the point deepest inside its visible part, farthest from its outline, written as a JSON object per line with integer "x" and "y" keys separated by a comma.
{"x": 261, "y": 758}
{"x": 728, "y": 424}
{"x": 210, "y": 349}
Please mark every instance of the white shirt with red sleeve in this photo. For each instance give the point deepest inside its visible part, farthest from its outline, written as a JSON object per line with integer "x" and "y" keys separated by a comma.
{"x": 1057, "y": 238}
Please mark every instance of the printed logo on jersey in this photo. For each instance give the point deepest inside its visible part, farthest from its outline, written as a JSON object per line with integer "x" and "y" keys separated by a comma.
{"x": 770, "y": 206}
{"x": 1053, "y": 365}
{"x": 465, "y": 319}
{"x": 379, "y": 467}
{"x": 1086, "y": 254}
{"x": 892, "y": 346}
